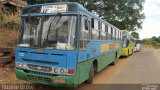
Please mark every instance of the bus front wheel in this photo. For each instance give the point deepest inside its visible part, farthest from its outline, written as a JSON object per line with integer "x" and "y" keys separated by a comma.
{"x": 91, "y": 75}
{"x": 115, "y": 60}
{"x": 128, "y": 53}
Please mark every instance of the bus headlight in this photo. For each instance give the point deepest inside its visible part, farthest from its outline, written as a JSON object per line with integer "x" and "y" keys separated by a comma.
{"x": 56, "y": 70}
{"x": 62, "y": 71}
{"x": 21, "y": 65}
{"x": 59, "y": 71}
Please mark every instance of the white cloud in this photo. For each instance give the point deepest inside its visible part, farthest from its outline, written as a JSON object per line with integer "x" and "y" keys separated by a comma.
{"x": 151, "y": 9}
{"x": 151, "y": 25}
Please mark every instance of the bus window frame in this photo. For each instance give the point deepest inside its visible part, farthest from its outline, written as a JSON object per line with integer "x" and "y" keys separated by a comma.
{"x": 95, "y": 29}
{"x": 102, "y": 31}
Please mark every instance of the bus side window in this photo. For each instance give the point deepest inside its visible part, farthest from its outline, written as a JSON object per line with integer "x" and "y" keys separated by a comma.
{"x": 103, "y": 33}
{"x": 128, "y": 42}
{"x": 95, "y": 34}
{"x": 119, "y": 35}
{"x": 106, "y": 30}
{"x": 84, "y": 28}
{"x": 115, "y": 34}
{"x": 92, "y": 23}
{"x": 111, "y": 33}
{"x": 99, "y": 25}
{"x": 85, "y": 34}
{"x": 86, "y": 24}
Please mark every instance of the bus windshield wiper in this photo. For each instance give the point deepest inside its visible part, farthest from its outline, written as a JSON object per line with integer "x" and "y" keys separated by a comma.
{"x": 40, "y": 33}
{"x": 52, "y": 25}
{"x": 31, "y": 29}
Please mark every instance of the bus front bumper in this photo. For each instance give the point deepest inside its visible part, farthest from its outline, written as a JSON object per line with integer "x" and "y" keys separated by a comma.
{"x": 124, "y": 52}
{"x": 57, "y": 81}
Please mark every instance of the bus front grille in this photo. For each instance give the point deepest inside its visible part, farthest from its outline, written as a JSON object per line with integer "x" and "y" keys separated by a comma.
{"x": 39, "y": 68}
{"x": 41, "y": 73}
{"x": 38, "y": 79}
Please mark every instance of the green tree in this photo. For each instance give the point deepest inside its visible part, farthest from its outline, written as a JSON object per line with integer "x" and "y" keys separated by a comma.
{"x": 154, "y": 38}
{"x": 125, "y": 14}
{"x": 159, "y": 39}
{"x": 154, "y": 41}
{"x": 135, "y": 35}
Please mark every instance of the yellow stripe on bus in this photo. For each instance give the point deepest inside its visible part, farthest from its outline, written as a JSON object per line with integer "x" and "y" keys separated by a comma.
{"x": 104, "y": 47}
{"x": 107, "y": 47}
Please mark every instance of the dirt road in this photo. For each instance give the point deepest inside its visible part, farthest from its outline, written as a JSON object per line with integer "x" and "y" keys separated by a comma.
{"x": 139, "y": 70}
{"x": 142, "y": 67}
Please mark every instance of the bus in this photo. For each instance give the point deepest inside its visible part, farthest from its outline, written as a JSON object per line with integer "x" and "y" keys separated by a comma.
{"x": 63, "y": 45}
{"x": 138, "y": 45}
{"x": 128, "y": 44}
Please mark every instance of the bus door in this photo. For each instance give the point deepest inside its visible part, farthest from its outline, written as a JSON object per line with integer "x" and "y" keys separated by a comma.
{"x": 84, "y": 51}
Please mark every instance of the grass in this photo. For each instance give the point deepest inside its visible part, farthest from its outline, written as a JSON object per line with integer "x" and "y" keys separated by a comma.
{"x": 151, "y": 43}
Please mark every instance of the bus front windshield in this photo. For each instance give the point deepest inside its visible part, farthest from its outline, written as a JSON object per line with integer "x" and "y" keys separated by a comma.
{"x": 49, "y": 32}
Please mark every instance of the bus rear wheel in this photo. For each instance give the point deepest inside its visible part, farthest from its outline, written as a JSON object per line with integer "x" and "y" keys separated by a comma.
{"x": 91, "y": 75}
{"x": 128, "y": 53}
{"x": 115, "y": 60}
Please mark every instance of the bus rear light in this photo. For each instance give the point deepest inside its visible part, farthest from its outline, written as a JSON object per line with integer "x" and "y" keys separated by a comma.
{"x": 70, "y": 71}
{"x": 58, "y": 80}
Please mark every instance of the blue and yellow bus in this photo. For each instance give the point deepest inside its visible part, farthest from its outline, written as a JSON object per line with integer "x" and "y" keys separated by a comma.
{"x": 128, "y": 43}
{"x": 63, "y": 44}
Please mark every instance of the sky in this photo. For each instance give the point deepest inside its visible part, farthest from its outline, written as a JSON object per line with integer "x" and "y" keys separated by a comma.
{"x": 151, "y": 24}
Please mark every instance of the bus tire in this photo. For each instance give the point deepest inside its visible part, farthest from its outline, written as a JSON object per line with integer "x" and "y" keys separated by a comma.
{"x": 115, "y": 60}
{"x": 127, "y": 54}
{"x": 91, "y": 75}
{"x": 113, "y": 63}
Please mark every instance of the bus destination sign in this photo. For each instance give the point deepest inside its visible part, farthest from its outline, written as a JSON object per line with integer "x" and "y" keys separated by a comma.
{"x": 53, "y": 8}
